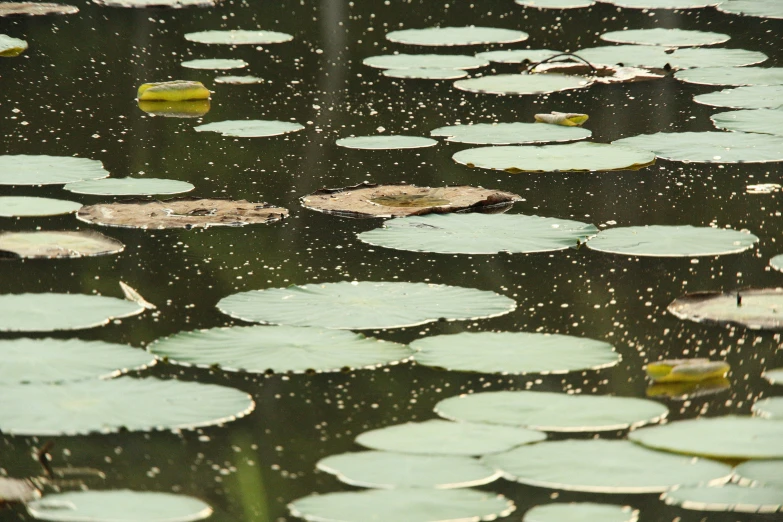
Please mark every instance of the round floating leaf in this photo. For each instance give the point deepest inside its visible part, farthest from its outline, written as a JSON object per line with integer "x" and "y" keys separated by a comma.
{"x": 129, "y": 187}
{"x": 581, "y": 512}
{"x": 729, "y": 497}
{"x": 422, "y": 61}
{"x": 385, "y": 142}
{"x": 547, "y": 411}
{"x": 48, "y": 170}
{"x": 387, "y": 470}
{"x": 35, "y": 9}
{"x": 774, "y": 376}
{"x": 173, "y": 4}
{"x": 666, "y": 37}
{"x": 439, "y": 437}
{"x": 769, "y": 408}
{"x": 603, "y": 466}
{"x": 53, "y": 360}
{"x": 727, "y": 437}
{"x": 513, "y": 352}
{"x": 22, "y": 206}
{"x": 58, "y": 244}
{"x": 710, "y": 146}
{"x": 239, "y": 80}
{"x": 671, "y": 241}
{"x": 364, "y": 305}
{"x": 759, "y": 8}
{"x": 181, "y": 213}
{"x": 119, "y": 505}
{"x": 556, "y": 4}
{"x": 556, "y": 158}
{"x": 766, "y": 472}
{"x": 48, "y": 312}
{"x": 173, "y": 91}
{"x": 450, "y": 36}
{"x": 250, "y": 128}
{"x": 509, "y": 133}
{"x": 214, "y": 64}
{"x": 258, "y": 349}
{"x": 522, "y": 83}
{"x": 732, "y": 76}
{"x": 658, "y": 57}
{"x": 425, "y": 73}
{"x": 662, "y": 4}
{"x": 479, "y": 234}
{"x": 10, "y": 47}
{"x": 757, "y": 309}
{"x": 238, "y": 37}
{"x": 518, "y": 55}
{"x": 753, "y": 97}
{"x": 765, "y": 121}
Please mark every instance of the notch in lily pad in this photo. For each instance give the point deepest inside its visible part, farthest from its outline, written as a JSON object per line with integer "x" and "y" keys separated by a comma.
{"x": 57, "y": 244}
{"x": 173, "y": 91}
{"x": 754, "y": 308}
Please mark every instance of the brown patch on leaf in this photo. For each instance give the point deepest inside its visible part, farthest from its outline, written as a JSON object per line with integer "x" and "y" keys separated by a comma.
{"x": 35, "y": 9}
{"x": 600, "y": 73}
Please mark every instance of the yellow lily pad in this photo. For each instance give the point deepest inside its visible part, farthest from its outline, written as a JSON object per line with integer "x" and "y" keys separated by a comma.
{"x": 174, "y": 91}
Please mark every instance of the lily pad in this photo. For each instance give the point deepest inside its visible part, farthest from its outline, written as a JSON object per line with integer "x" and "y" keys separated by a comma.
{"x": 758, "y": 8}
{"x": 238, "y": 37}
{"x": 476, "y": 233}
{"x": 119, "y": 505}
{"x": 425, "y": 73}
{"x": 129, "y": 187}
{"x": 387, "y": 470}
{"x": 657, "y": 57}
{"x": 180, "y": 109}
{"x": 48, "y": 312}
{"x": 662, "y": 4}
{"x": 732, "y": 76}
{"x": 600, "y": 73}
{"x": 752, "y": 97}
{"x": 35, "y": 9}
{"x": 250, "y": 128}
{"x": 173, "y": 4}
{"x": 181, "y": 213}
{"x": 730, "y": 497}
{"x": 665, "y": 37}
{"x": 239, "y": 80}
{"x": 509, "y": 133}
{"x": 410, "y": 505}
{"x": 556, "y": 4}
{"x": 173, "y": 91}
{"x": 686, "y": 370}
{"x": 22, "y": 206}
{"x": 726, "y": 437}
{"x": 774, "y": 376}
{"x": 765, "y": 121}
{"x": 754, "y": 308}
{"x": 522, "y": 83}
{"x": 48, "y": 170}
{"x": 259, "y": 349}
{"x": 769, "y": 408}
{"x": 419, "y": 61}
{"x": 581, "y": 512}
{"x": 58, "y": 244}
{"x": 217, "y": 64}
{"x": 603, "y": 466}
{"x": 556, "y": 412}
{"x": 439, "y": 437}
{"x": 450, "y": 36}
{"x": 671, "y": 241}
{"x": 55, "y": 360}
{"x": 765, "y": 472}
{"x": 556, "y": 158}
{"x": 368, "y": 200}
{"x": 763, "y": 188}
{"x": 513, "y": 353}
{"x": 10, "y": 47}
{"x": 710, "y": 146}
{"x": 385, "y": 142}
{"x": 364, "y": 305}
{"x": 518, "y": 55}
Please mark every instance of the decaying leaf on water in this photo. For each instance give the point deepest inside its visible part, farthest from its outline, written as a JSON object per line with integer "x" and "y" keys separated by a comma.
{"x": 180, "y": 213}
{"x": 566, "y": 119}
{"x": 54, "y": 244}
{"x": 173, "y": 91}
{"x": 35, "y": 9}
{"x": 599, "y": 73}
{"x": 368, "y": 200}
{"x": 132, "y": 295}
{"x": 178, "y": 109}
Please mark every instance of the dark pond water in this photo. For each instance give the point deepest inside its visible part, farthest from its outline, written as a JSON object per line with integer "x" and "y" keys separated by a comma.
{"x": 72, "y": 93}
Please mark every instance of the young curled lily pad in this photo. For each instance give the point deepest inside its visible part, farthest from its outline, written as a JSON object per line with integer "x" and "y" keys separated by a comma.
{"x": 509, "y": 133}
{"x": 385, "y": 142}
{"x": 671, "y": 241}
{"x": 129, "y": 187}
{"x": 581, "y": 512}
{"x": 765, "y": 121}
{"x": 58, "y": 244}
{"x": 22, "y": 206}
{"x": 754, "y": 308}
{"x": 250, "y": 128}
{"x": 425, "y": 73}
{"x": 419, "y": 61}
{"x": 521, "y": 84}
{"x": 217, "y": 64}
{"x": 665, "y": 37}
{"x": 173, "y": 91}
{"x": 710, "y": 146}
{"x": 686, "y": 370}
{"x": 35, "y": 9}
{"x": 758, "y": 8}
{"x": 181, "y": 109}
{"x": 774, "y": 376}
{"x": 751, "y": 97}
{"x": 450, "y": 36}
{"x": 181, "y": 213}
{"x": 562, "y": 119}
{"x": 238, "y": 37}
{"x": 48, "y": 170}
{"x": 10, "y": 47}
{"x": 738, "y": 76}
{"x": 729, "y": 497}
{"x": 769, "y": 408}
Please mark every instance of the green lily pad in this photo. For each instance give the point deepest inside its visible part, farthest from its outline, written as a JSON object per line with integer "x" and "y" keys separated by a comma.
{"x": 774, "y": 376}
{"x": 48, "y": 312}
{"x": 439, "y": 437}
{"x": 513, "y": 353}
{"x": 238, "y": 37}
{"x": 729, "y": 497}
{"x": 214, "y": 64}
{"x": 55, "y": 360}
{"x": 364, "y": 305}
{"x": 108, "y": 406}
{"x": 556, "y": 4}
{"x": 387, "y": 470}
{"x": 410, "y": 505}
{"x": 752, "y": 97}
{"x": 425, "y": 73}
{"x": 129, "y": 187}
{"x": 732, "y": 76}
{"x": 58, "y": 244}
{"x": 522, "y": 83}
{"x": 581, "y": 512}
{"x": 764, "y": 472}
{"x": 671, "y": 241}
{"x": 173, "y": 4}
{"x": 665, "y": 37}
{"x": 22, "y": 206}
{"x": 662, "y": 4}
{"x": 509, "y": 133}
{"x": 35, "y": 9}
{"x": 726, "y": 437}
{"x": 658, "y": 57}
{"x": 556, "y": 412}
{"x": 258, "y": 349}
{"x": 450, "y": 36}
{"x": 769, "y": 408}
{"x": 710, "y": 146}
{"x": 764, "y": 121}
{"x": 754, "y": 308}
{"x": 758, "y": 8}
{"x": 603, "y": 466}
{"x": 250, "y": 128}
{"x": 121, "y": 505}
{"x": 476, "y": 233}
{"x": 556, "y": 158}
{"x": 518, "y": 55}
{"x": 10, "y": 47}
{"x": 48, "y": 170}
{"x": 419, "y": 61}
{"x": 385, "y": 142}
{"x": 239, "y": 80}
